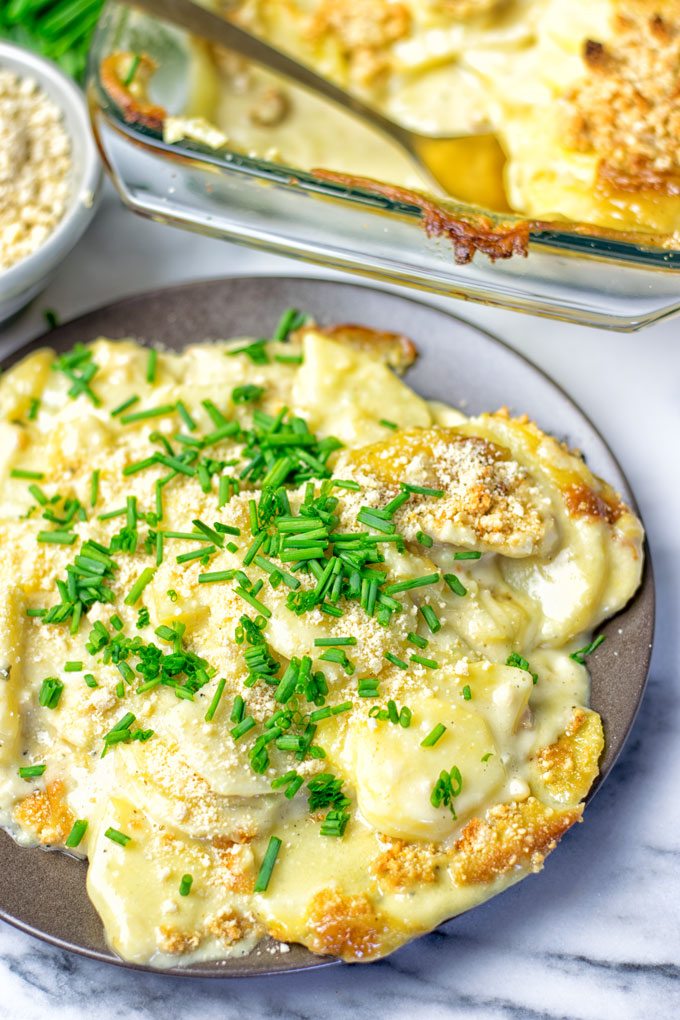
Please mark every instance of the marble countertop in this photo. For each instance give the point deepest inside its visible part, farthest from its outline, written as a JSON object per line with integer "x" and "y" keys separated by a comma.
{"x": 597, "y": 934}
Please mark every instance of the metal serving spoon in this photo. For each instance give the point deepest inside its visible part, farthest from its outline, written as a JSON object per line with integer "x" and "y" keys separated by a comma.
{"x": 467, "y": 167}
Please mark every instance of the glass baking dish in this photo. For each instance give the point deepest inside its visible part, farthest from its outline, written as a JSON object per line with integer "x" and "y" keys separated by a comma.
{"x": 570, "y": 273}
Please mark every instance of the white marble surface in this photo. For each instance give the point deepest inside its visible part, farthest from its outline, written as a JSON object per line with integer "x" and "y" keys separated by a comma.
{"x": 597, "y": 934}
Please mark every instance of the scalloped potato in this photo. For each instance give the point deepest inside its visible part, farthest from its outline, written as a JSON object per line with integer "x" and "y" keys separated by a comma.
{"x": 287, "y": 650}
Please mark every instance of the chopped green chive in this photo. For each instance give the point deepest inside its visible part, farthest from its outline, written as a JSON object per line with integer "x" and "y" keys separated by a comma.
{"x": 368, "y": 687}
{"x": 430, "y": 663}
{"x": 290, "y": 320}
{"x": 132, "y": 70}
{"x": 468, "y": 555}
{"x": 90, "y": 680}
{"x": 50, "y": 692}
{"x": 485, "y": 757}
{"x": 73, "y": 667}
{"x": 185, "y": 885}
{"x": 243, "y": 727}
{"x": 424, "y": 539}
{"x": 215, "y": 575}
{"x": 121, "y": 408}
{"x": 268, "y": 861}
{"x": 431, "y": 618}
{"x": 435, "y": 735}
{"x": 151, "y": 365}
{"x": 467, "y": 693}
{"x": 117, "y": 837}
{"x": 35, "y": 476}
{"x": 396, "y": 661}
{"x": 212, "y": 708}
{"x": 31, "y": 771}
{"x": 138, "y": 587}
{"x": 76, "y": 834}
{"x": 388, "y": 424}
{"x": 186, "y": 417}
{"x": 249, "y": 394}
{"x": 519, "y": 662}
{"x": 455, "y": 585}
{"x": 417, "y": 640}
{"x": 414, "y": 582}
{"x": 329, "y": 642}
{"x": 580, "y": 655}
{"x": 94, "y": 487}
{"x": 151, "y": 412}
{"x": 57, "y": 537}
{"x": 33, "y": 409}
{"x": 422, "y": 490}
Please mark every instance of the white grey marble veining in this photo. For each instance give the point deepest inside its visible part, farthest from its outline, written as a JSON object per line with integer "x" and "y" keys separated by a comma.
{"x": 597, "y": 934}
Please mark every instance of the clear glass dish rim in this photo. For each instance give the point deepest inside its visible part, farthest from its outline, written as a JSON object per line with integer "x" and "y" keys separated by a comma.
{"x": 576, "y": 241}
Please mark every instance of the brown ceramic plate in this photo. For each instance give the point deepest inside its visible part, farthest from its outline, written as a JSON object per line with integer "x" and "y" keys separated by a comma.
{"x": 43, "y": 893}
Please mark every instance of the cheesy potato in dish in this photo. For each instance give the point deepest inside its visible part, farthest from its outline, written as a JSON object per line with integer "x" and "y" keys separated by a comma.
{"x": 287, "y": 650}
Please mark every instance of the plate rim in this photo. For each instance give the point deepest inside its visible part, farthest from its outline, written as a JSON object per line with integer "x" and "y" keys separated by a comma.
{"x": 233, "y": 967}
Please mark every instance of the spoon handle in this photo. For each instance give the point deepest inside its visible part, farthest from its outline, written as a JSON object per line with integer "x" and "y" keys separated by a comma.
{"x": 204, "y": 23}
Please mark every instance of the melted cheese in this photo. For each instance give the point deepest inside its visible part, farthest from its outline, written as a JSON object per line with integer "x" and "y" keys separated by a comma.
{"x": 558, "y": 553}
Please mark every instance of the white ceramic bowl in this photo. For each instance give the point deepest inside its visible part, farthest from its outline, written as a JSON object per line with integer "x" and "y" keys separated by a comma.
{"x": 23, "y": 281}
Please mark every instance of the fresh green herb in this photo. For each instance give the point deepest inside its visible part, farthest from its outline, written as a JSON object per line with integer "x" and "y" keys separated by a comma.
{"x": 185, "y": 885}
{"x": 368, "y": 687}
{"x": 431, "y": 618}
{"x": 90, "y": 680}
{"x": 521, "y": 663}
{"x": 212, "y": 708}
{"x": 33, "y": 408}
{"x": 291, "y": 320}
{"x": 422, "y": 661}
{"x": 467, "y": 555}
{"x": 94, "y": 487}
{"x": 36, "y": 476}
{"x": 132, "y": 70}
{"x": 485, "y": 757}
{"x": 49, "y": 314}
{"x": 117, "y": 837}
{"x": 121, "y": 408}
{"x": 424, "y": 539}
{"x": 434, "y": 736}
{"x": 422, "y": 490}
{"x": 31, "y": 771}
{"x": 455, "y": 584}
{"x": 414, "y": 582}
{"x": 75, "y": 836}
{"x": 79, "y": 368}
{"x": 138, "y": 587}
{"x": 388, "y": 424}
{"x": 57, "y": 537}
{"x": 417, "y": 640}
{"x": 446, "y": 789}
{"x": 268, "y": 861}
{"x": 151, "y": 363}
{"x": 467, "y": 693}
{"x": 580, "y": 655}
{"x": 249, "y": 394}
{"x": 50, "y": 692}
{"x": 151, "y": 412}
{"x": 73, "y": 667}
{"x": 395, "y": 660}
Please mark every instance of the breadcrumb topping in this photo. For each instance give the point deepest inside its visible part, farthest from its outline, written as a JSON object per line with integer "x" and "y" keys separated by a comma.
{"x": 626, "y": 108}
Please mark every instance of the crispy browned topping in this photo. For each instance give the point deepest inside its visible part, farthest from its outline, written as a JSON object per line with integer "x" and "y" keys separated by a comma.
{"x": 363, "y": 29}
{"x": 627, "y": 107}
{"x": 468, "y": 235}
{"x": 172, "y": 940}
{"x": 228, "y": 927}
{"x": 394, "y": 349}
{"x": 404, "y": 864}
{"x": 605, "y": 505}
{"x": 131, "y": 99}
{"x": 345, "y": 926}
{"x": 512, "y": 837}
{"x": 567, "y": 768}
{"x": 235, "y": 870}
{"x": 486, "y": 492}
{"x": 46, "y": 814}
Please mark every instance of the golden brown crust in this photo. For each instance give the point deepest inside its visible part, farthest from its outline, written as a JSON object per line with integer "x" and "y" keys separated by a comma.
{"x": 346, "y": 926}
{"x": 228, "y": 927}
{"x": 363, "y": 30}
{"x": 512, "y": 837}
{"x": 567, "y": 769}
{"x": 467, "y": 235}
{"x": 403, "y": 865}
{"x": 626, "y": 108}
{"x": 131, "y": 99}
{"x": 173, "y": 940}
{"x": 604, "y": 505}
{"x": 395, "y": 349}
{"x": 45, "y": 814}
